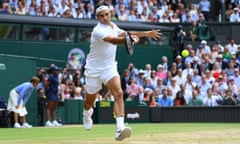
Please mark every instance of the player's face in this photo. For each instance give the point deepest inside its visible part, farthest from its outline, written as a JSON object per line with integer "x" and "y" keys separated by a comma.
{"x": 104, "y": 17}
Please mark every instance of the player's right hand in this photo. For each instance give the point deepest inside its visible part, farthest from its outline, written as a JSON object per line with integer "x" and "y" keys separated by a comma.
{"x": 135, "y": 38}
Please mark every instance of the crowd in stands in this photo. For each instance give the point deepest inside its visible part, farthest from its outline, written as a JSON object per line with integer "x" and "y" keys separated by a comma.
{"x": 162, "y": 11}
{"x": 208, "y": 76}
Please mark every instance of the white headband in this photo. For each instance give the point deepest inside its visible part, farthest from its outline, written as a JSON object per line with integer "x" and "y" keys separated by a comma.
{"x": 101, "y": 8}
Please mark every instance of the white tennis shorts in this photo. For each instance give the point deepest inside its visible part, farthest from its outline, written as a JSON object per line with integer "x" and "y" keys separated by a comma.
{"x": 95, "y": 79}
{"x": 12, "y": 102}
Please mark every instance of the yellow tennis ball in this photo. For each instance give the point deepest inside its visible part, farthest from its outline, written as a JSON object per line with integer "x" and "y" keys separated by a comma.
{"x": 185, "y": 53}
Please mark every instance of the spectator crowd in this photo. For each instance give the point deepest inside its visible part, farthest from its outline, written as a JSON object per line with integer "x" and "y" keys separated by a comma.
{"x": 209, "y": 76}
{"x": 162, "y": 11}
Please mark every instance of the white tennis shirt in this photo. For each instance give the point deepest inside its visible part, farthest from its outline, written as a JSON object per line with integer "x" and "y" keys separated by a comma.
{"x": 102, "y": 54}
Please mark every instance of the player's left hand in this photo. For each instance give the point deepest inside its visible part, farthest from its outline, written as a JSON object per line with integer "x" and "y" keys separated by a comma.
{"x": 155, "y": 34}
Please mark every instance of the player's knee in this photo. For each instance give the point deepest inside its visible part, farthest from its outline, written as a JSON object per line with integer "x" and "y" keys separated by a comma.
{"x": 118, "y": 93}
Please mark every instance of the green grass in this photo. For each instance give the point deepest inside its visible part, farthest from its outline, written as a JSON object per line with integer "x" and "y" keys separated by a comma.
{"x": 157, "y": 133}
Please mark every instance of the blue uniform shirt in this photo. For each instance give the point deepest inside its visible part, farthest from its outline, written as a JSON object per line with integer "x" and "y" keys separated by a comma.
{"x": 24, "y": 90}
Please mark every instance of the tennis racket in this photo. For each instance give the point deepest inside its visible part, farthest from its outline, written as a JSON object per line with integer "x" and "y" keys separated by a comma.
{"x": 129, "y": 43}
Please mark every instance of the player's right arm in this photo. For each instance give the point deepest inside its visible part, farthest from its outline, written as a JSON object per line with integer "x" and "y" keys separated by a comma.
{"x": 114, "y": 40}
{"x": 120, "y": 39}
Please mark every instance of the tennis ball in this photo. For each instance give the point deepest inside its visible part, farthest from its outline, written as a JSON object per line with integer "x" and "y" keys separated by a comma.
{"x": 185, "y": 53}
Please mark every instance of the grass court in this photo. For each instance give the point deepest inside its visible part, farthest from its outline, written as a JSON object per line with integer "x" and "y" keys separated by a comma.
{"x": 144, "y": 133}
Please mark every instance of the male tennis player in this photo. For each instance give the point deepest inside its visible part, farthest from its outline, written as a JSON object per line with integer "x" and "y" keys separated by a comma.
{"x": 102, "y": 68}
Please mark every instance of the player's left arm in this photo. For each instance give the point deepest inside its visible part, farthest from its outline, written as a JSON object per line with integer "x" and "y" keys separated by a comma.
{"x": 155, "y": 34}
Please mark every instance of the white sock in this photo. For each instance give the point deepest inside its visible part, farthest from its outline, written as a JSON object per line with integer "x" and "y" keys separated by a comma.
{"x": 120, "y": 122}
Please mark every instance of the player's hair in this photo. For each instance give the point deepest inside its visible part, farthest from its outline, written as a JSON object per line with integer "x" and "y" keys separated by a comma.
{"x": 100, "y": 3}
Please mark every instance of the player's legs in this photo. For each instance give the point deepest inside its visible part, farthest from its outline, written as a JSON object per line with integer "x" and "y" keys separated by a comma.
{"x": 115, "y": 87}
{"x": 89, "y": 100}
{"x": 88, "y": 110}
{"x": 116, "y": 90}
{"x": 111, "y": 79}
{"x": 94, "y": 84}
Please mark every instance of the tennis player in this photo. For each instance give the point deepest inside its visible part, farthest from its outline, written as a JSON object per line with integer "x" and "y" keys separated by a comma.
{"x": 101, "y": 67}
{"x": 18, "y": 99}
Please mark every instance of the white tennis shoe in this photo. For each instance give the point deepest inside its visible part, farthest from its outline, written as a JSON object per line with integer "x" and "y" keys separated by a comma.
{"x": 26, "y": 125}
{"x": 123, "y": 133}
{"x": 17, "y": 125}
{"x": 49, "y": 124}
{"x": 56, "y": 124}
{"x": 87, "y": 119}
